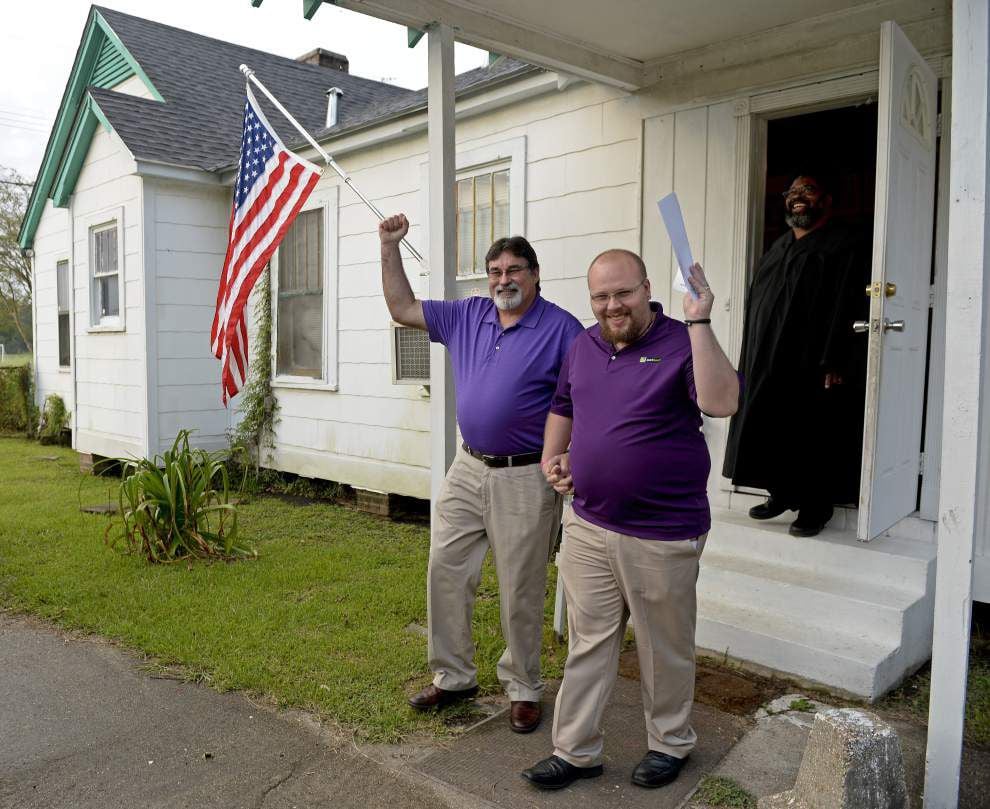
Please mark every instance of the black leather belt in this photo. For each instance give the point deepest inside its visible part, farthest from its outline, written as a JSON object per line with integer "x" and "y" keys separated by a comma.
{"x": 499, "y": 461}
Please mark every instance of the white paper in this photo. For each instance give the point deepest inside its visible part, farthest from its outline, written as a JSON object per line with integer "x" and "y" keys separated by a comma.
{"x": 670, "y": 210}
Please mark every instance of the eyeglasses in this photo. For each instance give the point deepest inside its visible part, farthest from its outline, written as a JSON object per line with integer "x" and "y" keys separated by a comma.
{"x": 622, "y": 296}
{"x": 513, "y": 271}
{"x": 800, "y": 189}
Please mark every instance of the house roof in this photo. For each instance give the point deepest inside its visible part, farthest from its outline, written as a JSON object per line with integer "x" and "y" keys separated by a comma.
{"x": 193, "y": 119}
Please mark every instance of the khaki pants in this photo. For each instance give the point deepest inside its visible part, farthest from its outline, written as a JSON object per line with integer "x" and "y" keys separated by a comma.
{"x": 608, "y": 578}
{"x": 514, "y": 511}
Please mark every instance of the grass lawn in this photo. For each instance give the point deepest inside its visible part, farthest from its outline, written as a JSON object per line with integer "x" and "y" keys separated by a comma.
{"x": 16, "y": 359}
{"x": 319, "y": 621}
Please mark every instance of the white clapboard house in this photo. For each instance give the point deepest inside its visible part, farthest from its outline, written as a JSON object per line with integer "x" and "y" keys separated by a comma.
{"x": 592, "y": 113}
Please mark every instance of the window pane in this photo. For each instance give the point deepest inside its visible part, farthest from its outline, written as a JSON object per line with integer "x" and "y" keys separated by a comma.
{"x": 62, "y": 284}
{"x": 63, "y": 339}
{"x": 299, "y": 344}
{"x": 501, "y": 194}
{"x": 108, "y": 296}
{"x": 465, "y": 228}
{"x": 482, "y": 215}
{"x": 105, "y": 251}
{"x": 300, "y": 335}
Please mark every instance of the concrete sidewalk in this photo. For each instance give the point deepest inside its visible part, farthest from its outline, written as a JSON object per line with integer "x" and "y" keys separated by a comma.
{"x": 82, "y": 725}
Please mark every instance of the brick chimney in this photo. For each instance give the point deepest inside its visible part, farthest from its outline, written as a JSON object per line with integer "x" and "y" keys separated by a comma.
{"x": 325, "y": 58}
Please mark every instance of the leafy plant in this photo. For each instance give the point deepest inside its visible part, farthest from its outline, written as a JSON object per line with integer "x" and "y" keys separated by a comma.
{"x": 54, "y": 420}
{"x": 802, "y": 704}
{"x": 177, "y": 505}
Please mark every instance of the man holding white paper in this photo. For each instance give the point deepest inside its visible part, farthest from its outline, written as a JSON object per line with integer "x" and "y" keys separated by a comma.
{"x": 628, "y": 404}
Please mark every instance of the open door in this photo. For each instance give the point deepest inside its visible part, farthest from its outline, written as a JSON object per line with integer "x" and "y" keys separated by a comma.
{"x": 902, "y": 256}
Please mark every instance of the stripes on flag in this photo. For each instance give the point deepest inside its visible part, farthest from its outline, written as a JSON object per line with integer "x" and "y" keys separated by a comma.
{"x": 272, "y": 186}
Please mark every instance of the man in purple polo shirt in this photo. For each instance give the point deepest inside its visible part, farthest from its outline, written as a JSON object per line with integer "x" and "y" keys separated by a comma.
{"x": 629, "y": 404}
{"x": 506, "y": 352}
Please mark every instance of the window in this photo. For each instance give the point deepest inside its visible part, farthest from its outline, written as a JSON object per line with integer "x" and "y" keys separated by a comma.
{"x": 299, "y": 349}
{"x": 482, "y": 217}
{"x": 105, "y": 260}
{"x": 62, "y": 285}
{"x": 410, "y": 356}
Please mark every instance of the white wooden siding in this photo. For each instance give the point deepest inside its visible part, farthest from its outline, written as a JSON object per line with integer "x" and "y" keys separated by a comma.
{"x": 187, "y": 238}
{"x": 110, "y": 380}
{"x": 52, "y": 244}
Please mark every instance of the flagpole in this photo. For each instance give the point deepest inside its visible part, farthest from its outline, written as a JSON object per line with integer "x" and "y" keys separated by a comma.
{"x": 249, "y": 74}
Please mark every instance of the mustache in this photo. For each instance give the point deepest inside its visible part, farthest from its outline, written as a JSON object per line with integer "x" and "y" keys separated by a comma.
{"x": 512, "y": 286}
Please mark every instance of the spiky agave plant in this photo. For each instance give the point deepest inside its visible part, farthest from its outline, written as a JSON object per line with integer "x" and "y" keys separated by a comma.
{"x": 176, "y": 506}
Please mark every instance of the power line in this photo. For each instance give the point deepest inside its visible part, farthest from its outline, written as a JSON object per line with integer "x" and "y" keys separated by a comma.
{"x": 15, "y": 182}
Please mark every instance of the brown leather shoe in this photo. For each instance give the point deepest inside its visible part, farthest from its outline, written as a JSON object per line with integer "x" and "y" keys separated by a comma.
{"x": 524, "y": 717}
{"x": 431, "y": 697}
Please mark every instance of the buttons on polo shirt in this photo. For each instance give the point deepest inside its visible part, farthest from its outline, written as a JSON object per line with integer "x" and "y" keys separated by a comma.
{"x": 612, "y": 357}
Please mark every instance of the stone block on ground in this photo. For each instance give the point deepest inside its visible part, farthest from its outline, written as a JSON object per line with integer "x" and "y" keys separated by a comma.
{"x": 852, "y": 761}
{"x": 373, "y": 502}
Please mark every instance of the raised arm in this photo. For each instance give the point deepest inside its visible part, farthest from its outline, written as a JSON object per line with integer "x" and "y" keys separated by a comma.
{"x": 715, "y": 379}
{"x": 403, "y": 305}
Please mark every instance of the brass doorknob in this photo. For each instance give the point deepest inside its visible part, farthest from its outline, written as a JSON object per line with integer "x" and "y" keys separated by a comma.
{"x": 873, "y": 290}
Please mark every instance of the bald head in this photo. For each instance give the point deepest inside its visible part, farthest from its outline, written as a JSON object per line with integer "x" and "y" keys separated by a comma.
{"x": 619, "y": 256}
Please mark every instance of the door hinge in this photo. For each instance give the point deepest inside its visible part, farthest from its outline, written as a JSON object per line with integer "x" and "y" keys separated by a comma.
{"x": 931, "y": 296}
{"x": 921, "y": 463}
{"x": 938, "y": 125}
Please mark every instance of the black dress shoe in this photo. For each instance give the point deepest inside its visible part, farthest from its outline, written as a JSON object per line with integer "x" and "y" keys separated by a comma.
{"x": 431, "y": 697}
{"x": 555, "y": 773}
{"x": 810, "y": 522}
{"x": 773, "y": 507}
{"x": 657, "y": 769}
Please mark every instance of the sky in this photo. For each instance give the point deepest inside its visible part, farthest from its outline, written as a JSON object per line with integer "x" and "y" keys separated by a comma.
{"x": 38, "y": 43}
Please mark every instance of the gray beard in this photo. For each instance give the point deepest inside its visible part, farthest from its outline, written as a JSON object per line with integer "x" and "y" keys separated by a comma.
{"x": 512, "y": 301}
{"x": 802, "y": 220}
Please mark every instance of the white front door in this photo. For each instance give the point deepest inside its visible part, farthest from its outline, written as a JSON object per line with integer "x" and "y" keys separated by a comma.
{"x": 902, "y": 259}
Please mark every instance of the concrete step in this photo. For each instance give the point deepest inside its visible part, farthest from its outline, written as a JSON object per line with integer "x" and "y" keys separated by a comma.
{"x": 888, "y": 561}
{"x": 857, "y": 665}
{"x": 819, "y": 598}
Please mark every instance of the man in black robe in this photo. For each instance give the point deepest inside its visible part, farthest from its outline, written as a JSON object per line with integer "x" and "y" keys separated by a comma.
{"x": 798, "y": 431}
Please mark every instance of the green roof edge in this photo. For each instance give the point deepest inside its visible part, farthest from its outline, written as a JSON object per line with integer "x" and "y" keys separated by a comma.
{"x": 69, "y": 112}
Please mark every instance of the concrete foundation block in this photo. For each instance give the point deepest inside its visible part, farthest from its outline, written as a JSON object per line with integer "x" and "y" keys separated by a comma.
{"x": 852, "y": 761}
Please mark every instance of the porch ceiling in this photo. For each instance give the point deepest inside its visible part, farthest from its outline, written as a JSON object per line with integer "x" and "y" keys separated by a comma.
{"x": 620, "y": 42}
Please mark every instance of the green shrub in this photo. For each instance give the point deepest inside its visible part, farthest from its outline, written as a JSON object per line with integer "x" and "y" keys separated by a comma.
{"x": 54, "y": 420}
{"x": 18, "y": 413}
{"x": 177, "y": 506}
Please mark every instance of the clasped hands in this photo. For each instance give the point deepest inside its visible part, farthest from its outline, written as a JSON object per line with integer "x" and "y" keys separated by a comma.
{"x": 557, "y": 471}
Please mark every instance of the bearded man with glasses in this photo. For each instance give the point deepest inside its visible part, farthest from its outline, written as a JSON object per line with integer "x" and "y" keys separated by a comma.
{"x": 798, "y": 432}
{"x": 624, "y": 435}
{"x": 506, "y": 351}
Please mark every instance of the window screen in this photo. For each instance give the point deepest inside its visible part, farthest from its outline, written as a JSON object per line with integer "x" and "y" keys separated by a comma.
{"x": 300, "y": 298}
{"x": 482, "y": 217}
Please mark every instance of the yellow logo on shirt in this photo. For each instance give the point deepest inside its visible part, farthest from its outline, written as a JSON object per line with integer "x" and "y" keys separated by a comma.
{"x": 650, "y": 359}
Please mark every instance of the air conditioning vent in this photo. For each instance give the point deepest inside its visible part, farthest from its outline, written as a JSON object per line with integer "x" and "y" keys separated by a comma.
{"x": 410, "y": 356}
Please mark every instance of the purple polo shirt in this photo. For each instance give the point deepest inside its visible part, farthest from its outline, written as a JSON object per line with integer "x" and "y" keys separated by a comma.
{"x": 638, "y": 457}
{"x": 504, "y": 378}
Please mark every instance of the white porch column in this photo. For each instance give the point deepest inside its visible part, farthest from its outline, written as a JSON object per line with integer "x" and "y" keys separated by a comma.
{"x": 442, "y": 255}
{"x": 964, "y": 430}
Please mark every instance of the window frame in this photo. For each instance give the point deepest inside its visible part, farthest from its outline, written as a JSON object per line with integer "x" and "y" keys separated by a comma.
{"x": 67, "y": 312}
{"x": 97, "y": 224}
{"x": 489, "y": 169}
{"x": 508, "y": 154}
{"x": 326, "y": 200}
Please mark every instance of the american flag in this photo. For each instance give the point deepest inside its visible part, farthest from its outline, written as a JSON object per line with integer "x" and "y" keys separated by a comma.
{"x": 272, "y": 185}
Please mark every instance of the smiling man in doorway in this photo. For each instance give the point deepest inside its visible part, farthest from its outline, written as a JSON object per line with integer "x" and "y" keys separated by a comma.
{"x": 506, "y": 351}
{"x": 798, "y": 432}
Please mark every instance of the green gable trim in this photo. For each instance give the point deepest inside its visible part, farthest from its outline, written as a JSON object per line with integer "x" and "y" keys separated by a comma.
{"x": 101, "y": 60}
{"x": 413, "y": 36}
{"x": 90, "y": 116}
{"x": 310, "y": 7}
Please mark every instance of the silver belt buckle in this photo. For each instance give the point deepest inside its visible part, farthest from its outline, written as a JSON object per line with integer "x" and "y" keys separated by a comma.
{"x": 486, "y": 458}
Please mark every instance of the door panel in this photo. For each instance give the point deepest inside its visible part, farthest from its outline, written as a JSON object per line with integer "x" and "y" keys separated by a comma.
{"x": 902, "y": 251}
